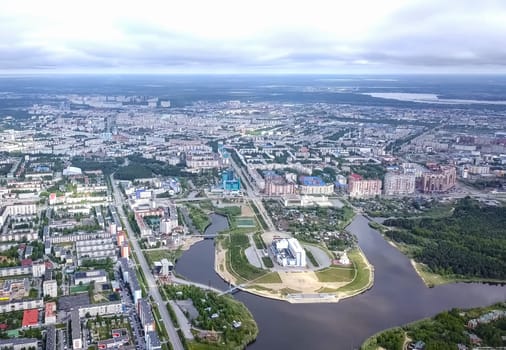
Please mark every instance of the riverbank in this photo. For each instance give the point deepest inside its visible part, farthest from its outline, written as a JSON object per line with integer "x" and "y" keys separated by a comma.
{"x": 429, "y": 278}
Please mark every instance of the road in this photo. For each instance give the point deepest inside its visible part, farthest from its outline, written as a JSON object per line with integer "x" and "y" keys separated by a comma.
{"x": 152, "y": 287}
{"x": 257, "y": 201}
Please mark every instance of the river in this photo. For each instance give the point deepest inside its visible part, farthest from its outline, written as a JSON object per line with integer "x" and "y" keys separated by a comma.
{"x": 398, "y": 296}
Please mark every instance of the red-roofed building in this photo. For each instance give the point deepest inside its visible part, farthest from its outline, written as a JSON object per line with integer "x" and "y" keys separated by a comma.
{"x": 30, "y": 318}
{"x": 26, "y": 262}
{"x": 3, "y": 326}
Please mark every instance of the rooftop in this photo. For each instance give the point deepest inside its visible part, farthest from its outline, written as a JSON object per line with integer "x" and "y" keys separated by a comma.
{"x": 311, "y": 181}
{"x": 30, "y": 318}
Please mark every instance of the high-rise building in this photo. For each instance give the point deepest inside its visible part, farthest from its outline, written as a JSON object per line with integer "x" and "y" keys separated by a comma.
{"x": 278, "y": 187}
{"x": 359, "y": 187}
{"x": 440, "y": 179}
{"x": 398, "y": 184}
{"x": 229, "y": 181}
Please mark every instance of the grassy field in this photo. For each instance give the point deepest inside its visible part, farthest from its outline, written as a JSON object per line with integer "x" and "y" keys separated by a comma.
{"x": 311, "y": 258}
{"x": 272, "y": 277}
{"x": 267, "y": 261}
{"x": 335, "y": 274}
{"x": 79, "y": 289}
{"x": 157, "y": 255}
{"x": 363, "y": 274}
{"x": 259, "y": 242}
{"x": 237, "y": 261}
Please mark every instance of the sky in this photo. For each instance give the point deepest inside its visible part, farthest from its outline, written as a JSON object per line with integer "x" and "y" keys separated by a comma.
{"x": 253, "y": 36}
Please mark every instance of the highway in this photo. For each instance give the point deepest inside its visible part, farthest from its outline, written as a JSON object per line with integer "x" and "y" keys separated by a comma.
{"x": 152, "y": 287}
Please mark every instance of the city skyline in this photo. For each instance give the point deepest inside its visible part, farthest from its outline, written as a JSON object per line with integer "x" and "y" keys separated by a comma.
{"x": 366, "y": 37}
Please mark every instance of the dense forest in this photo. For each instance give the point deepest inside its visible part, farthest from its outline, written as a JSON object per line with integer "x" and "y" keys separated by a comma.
{"x": 447, "y": 329}
{"x": 470, "y": 243}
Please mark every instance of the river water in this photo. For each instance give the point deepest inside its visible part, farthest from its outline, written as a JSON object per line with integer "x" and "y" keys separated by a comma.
{"x": 398, "y": 296}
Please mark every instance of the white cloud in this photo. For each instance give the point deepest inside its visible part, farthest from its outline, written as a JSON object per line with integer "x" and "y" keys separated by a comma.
{"x": 301, "y": 36}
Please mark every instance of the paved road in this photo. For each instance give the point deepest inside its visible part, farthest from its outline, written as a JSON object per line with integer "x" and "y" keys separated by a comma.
{"x": 252, "y": 195}
{"x": 152, "y": 287}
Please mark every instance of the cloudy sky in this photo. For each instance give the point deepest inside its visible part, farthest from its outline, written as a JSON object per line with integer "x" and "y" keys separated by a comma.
{"x": 253, "y": 36}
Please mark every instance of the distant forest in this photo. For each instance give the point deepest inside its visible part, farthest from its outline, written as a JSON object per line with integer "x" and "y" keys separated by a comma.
{"x": 469, "y": 243}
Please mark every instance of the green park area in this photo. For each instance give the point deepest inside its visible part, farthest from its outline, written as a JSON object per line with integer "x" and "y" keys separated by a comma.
{"x": 363, "y": 274}
{"x": 228, "y": 321}
{"x": 199, "y": 217}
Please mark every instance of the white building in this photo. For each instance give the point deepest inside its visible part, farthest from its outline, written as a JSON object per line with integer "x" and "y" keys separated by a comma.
{"x": 85, "y": 277}
{"x": 399, "y": 184}
{"x": 38, "y": 269}
{"x": 289, "y": 252}
{"x": 50, "y": 288}
{"x": 112, "y": 308}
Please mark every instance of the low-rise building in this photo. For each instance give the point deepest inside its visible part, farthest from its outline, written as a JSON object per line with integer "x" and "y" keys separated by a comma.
{"x": 85, "y": 277}
{"x": 18, "y": 343}
{"x": 111, "y": 308}
{"x": 21, "y": 305}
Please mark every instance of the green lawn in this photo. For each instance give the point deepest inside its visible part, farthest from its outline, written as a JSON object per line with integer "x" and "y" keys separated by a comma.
{"x": 272, "y": 277}
{"x": 157, "y": 255}
{"x": 335, "y": 274}
{"x": 237, "y": 263}
{"x": 79, "y": 289}
{"x": 361, "y": 279}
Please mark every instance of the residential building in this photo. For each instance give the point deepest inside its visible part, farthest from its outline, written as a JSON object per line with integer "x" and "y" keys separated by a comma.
{"x": 152, "y": 341}
{"x": 21, "y": 305}
{"x": 359, "y": 187}
{"x": 146, "y": 316}
{"x": 397, "y": 184}
{"x": 50, "y": 313}
{"x": 111, "y": 308}
{"x": 85, "y": 277}
{"x": 50, "y": 288}
{"x": 18, "y": 343}
{"x": 278, "y": 186}
{"x": 441, "y": 179}
{"x": 75, "y": 324}
{"x": 314, "y": 185}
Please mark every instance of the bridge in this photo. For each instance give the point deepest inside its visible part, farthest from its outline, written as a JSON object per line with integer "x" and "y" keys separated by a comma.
{"x": 233, "y": 289}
